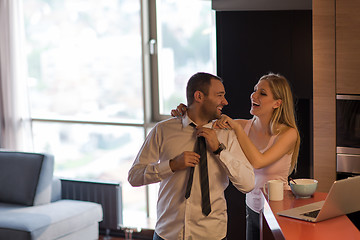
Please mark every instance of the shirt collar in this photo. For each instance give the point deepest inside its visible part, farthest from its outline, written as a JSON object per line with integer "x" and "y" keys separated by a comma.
{"x": 186, "y": 122}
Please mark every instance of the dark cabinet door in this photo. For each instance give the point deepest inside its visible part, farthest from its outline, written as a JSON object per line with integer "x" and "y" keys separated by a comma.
{"x": 249, "y": 45}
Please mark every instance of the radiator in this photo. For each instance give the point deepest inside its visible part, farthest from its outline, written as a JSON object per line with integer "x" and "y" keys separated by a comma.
{"x": 108, "y": 194}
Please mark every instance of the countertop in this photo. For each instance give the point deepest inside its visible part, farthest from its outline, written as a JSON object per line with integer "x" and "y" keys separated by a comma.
{"x": 278, "y": 227}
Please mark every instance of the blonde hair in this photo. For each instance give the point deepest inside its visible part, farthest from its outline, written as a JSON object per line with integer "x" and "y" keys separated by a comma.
{"x": 285, "y": 113}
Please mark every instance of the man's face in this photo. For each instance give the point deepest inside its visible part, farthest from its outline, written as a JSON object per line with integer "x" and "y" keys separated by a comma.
{"x": 214, "y": 101}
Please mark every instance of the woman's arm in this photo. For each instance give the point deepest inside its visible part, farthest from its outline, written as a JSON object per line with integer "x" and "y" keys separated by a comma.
{"x": 284, "y": 144}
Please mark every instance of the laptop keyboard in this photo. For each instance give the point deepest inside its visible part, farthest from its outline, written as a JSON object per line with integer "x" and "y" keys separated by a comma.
{"x": 312, "y": 214}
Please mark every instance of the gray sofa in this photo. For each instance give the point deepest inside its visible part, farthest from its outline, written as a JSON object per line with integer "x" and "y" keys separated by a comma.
{"x": 31, "y": 206}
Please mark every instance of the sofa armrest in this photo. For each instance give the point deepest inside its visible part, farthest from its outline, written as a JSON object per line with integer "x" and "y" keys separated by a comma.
{"x": 25, "y": 178}
{"x": 56, "y": 189}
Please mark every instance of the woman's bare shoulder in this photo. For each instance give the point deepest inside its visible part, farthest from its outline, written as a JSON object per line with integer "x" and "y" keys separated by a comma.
{"x": 242, "y": 122}
{"x": 286, "y": 130}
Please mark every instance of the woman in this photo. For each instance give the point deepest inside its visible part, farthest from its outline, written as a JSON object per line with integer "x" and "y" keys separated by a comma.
{"x": 270, "y": 140}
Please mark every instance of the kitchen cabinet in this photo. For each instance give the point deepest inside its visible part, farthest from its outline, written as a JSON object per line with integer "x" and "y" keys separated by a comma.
{"x": 324, "y": 118}
{"x": 336, "y": 59}
{"x": 347, "y": 47}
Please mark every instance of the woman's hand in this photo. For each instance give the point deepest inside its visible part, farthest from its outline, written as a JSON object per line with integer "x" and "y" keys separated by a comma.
{"x": 179, "y": 111}
{"x": 225, "y": 122}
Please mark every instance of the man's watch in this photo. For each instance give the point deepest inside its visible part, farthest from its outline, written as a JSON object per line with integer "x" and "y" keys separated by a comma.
{"x": 220, "y": 148}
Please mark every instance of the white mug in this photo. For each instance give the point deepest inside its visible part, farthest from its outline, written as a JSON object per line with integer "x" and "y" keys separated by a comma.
{"x": 274, "y": 189}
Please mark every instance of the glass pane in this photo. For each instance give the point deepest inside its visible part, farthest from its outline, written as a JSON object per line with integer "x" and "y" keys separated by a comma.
{"x": 84, "y": 59}
{"x": 94, "y": 152}
{"x": 185, "y": 32}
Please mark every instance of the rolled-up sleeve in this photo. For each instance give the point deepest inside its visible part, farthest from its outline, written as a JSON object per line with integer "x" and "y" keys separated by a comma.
{"x": 235, "y": 163}
{"x": 147, "y": 168}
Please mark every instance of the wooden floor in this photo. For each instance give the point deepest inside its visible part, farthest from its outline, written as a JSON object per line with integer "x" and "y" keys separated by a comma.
{"x": 144, "y": 234}
{"x": 110, "y": 238}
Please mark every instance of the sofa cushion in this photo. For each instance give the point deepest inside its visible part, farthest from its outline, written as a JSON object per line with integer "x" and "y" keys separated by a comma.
{"x": 25, "y": 178}
{"x": 48, "y": 221}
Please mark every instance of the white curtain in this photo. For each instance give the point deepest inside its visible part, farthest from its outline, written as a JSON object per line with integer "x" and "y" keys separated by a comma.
{"x": 15, "y": 124}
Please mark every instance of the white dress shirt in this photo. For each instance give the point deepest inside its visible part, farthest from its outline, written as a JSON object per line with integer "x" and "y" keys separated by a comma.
{"x": 177, "y": 216}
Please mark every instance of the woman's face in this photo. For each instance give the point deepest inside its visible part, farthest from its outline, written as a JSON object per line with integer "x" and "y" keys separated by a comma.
{"x": 262, "y": 99}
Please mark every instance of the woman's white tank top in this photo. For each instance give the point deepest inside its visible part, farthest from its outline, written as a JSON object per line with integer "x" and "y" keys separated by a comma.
{"x": 278, "y": 170}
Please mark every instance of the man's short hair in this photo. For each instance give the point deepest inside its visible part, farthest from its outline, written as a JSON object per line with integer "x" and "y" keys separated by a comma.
{"x": 199, "y": 82}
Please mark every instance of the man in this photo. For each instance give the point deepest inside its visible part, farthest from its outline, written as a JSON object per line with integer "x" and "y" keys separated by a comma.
{"x": 167, "y": 156}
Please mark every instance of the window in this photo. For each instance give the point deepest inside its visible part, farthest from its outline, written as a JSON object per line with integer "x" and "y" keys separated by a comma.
{"x": 88, "y": 85}
{"x": 185, "y": 35}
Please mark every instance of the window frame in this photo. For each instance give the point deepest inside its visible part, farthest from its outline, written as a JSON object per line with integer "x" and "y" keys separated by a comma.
{"x": 148, "y": 85}
{"x": 151, "y": 39}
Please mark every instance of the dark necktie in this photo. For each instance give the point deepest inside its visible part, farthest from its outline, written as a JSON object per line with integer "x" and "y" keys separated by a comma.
{"x": 200, "y": 148}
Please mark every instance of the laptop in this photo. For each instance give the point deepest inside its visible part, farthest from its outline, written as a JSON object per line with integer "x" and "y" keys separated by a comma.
{"x": 343, "y": 198}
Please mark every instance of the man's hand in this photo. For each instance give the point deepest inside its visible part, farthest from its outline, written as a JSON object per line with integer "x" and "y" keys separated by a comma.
{"x": 212, "y": 142}
{"x": 184, "y": 160}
